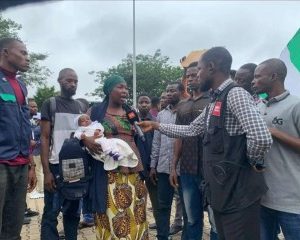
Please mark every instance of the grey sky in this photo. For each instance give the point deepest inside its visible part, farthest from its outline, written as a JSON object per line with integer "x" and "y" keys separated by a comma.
{"x": 94, "y": 35}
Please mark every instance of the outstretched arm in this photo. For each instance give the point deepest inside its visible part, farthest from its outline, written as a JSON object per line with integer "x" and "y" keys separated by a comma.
{"x": 172, "y": 130}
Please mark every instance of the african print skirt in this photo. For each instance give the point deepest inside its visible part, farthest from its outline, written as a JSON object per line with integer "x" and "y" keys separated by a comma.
{"x": 125, "y": 216}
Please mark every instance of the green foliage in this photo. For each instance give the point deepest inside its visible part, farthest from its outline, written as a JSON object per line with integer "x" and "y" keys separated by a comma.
{"x": 153, "y": 73}
{"x": 9, "y": 28}
{"x": 44, "y": 93}
{"x": 37, "y": 74}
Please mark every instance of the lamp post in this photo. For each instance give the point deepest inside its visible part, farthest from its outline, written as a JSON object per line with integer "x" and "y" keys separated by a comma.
{"x": 134, "y": 60}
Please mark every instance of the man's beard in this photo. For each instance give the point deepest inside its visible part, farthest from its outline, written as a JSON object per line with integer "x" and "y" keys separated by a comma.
{"x": 205, "y": 85}
{"x": 69, "y": 92}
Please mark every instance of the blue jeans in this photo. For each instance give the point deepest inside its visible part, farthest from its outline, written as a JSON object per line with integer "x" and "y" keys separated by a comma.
{"x": 54, "y": 203}
{"x": 193, "y": 202}
{"x": 184, "y": 235}
{"x": 13, "y": 188}
{"x": 271, "y": 219}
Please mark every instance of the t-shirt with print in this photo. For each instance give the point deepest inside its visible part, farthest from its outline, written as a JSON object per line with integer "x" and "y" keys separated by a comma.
{"x": 282, "y": 162}
{"x": 66, "y": 112}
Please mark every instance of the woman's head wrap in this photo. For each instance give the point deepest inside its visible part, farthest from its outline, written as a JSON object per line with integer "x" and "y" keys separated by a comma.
{"x": 111, "y": 82}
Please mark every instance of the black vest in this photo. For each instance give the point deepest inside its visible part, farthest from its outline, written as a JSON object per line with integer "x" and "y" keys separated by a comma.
{"x": 231, "y": 183}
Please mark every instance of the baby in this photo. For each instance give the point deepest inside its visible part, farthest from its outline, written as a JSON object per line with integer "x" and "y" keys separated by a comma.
{"x": 116, "y": 152}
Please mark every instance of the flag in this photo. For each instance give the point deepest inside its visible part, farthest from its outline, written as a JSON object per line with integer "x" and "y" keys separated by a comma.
{"x": 291, "y": 57}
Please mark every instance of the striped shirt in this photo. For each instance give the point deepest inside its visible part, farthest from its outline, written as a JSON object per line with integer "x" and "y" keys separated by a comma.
{"x": 242, "y": 117}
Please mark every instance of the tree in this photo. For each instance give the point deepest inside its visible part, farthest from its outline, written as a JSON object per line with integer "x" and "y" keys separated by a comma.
{"x": 37, "y": 74}
{"x": 44, "y": 93}
{"x": 8, "y": 28}
{"x": 153, "y": 73}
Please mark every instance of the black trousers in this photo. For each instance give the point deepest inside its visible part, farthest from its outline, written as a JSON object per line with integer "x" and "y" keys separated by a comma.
{"x": 240, "y": 225}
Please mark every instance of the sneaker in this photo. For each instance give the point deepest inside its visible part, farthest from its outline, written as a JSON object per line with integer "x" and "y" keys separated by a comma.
{"x": 36, "y": 195}
{"x": 152, "y": 226}
{"x": 30, "y": 213}
{"x": 83, "y": 224}
{"x": 175, "y": 229}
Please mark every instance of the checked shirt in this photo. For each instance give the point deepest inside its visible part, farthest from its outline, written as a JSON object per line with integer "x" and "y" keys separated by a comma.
{"x": 242, "y": 117}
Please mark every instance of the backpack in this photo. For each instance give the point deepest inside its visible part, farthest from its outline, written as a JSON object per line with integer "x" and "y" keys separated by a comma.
{"x": 75, "y": 170}
{"x": 74, "y": 164}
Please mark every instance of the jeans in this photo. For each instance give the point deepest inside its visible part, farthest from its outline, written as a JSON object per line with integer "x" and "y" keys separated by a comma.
{"x": 289, "y": 223}
{"x": 13, "y": 188}
{"x": 178, "y": 210}
{"x": 193, "y": 202}
{"x": 54, "y": 203}
{"x": 180, "y": 205}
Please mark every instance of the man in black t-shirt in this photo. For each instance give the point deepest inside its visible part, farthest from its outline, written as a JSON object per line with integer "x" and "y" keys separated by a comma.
{"x": 66, "y": 110}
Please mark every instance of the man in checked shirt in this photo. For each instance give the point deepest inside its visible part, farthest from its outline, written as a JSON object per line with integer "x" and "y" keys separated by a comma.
{"x": 235, "y": 140}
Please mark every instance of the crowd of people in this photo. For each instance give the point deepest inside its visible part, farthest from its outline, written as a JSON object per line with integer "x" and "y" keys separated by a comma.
{"x": 231, "y": 147}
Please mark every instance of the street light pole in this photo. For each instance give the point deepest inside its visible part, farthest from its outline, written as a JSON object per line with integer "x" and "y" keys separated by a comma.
{"x": 134, "y": 60}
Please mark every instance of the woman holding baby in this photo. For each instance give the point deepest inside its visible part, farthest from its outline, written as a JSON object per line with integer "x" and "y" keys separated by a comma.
{"x": 118, "y": 196}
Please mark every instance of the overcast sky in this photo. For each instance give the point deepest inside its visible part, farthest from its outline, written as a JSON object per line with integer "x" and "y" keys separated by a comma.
{"x": 95, "y": 35}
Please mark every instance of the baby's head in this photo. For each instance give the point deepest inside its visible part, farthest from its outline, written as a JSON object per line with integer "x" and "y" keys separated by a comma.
{"x": 84, "y": 120}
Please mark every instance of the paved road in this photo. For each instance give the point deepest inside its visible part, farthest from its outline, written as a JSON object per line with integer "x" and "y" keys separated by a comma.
{"x": 32, "y": 230}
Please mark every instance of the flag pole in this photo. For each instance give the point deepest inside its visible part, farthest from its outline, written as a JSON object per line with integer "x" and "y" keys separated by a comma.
{"x": 134, "y": 59}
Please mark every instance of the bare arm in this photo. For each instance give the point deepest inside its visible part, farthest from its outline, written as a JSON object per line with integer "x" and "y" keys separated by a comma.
{"x": 45, "y": 141}
{"x": 174, "y": 131}
{"x": 49, "y": 181}
{"x": 175, "y": 161}
{"x": 290, "y": 141}
{"x": 177, "y": 152}
{"x": 31, "y": 175}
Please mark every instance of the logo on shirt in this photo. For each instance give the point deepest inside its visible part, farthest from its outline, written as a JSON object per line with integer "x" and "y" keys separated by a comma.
{"x": 277, "y": 121}
{"x": 217, "y": 109}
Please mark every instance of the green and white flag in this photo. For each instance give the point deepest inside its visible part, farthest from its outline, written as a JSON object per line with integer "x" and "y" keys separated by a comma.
{"x": 291, "y": 56}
